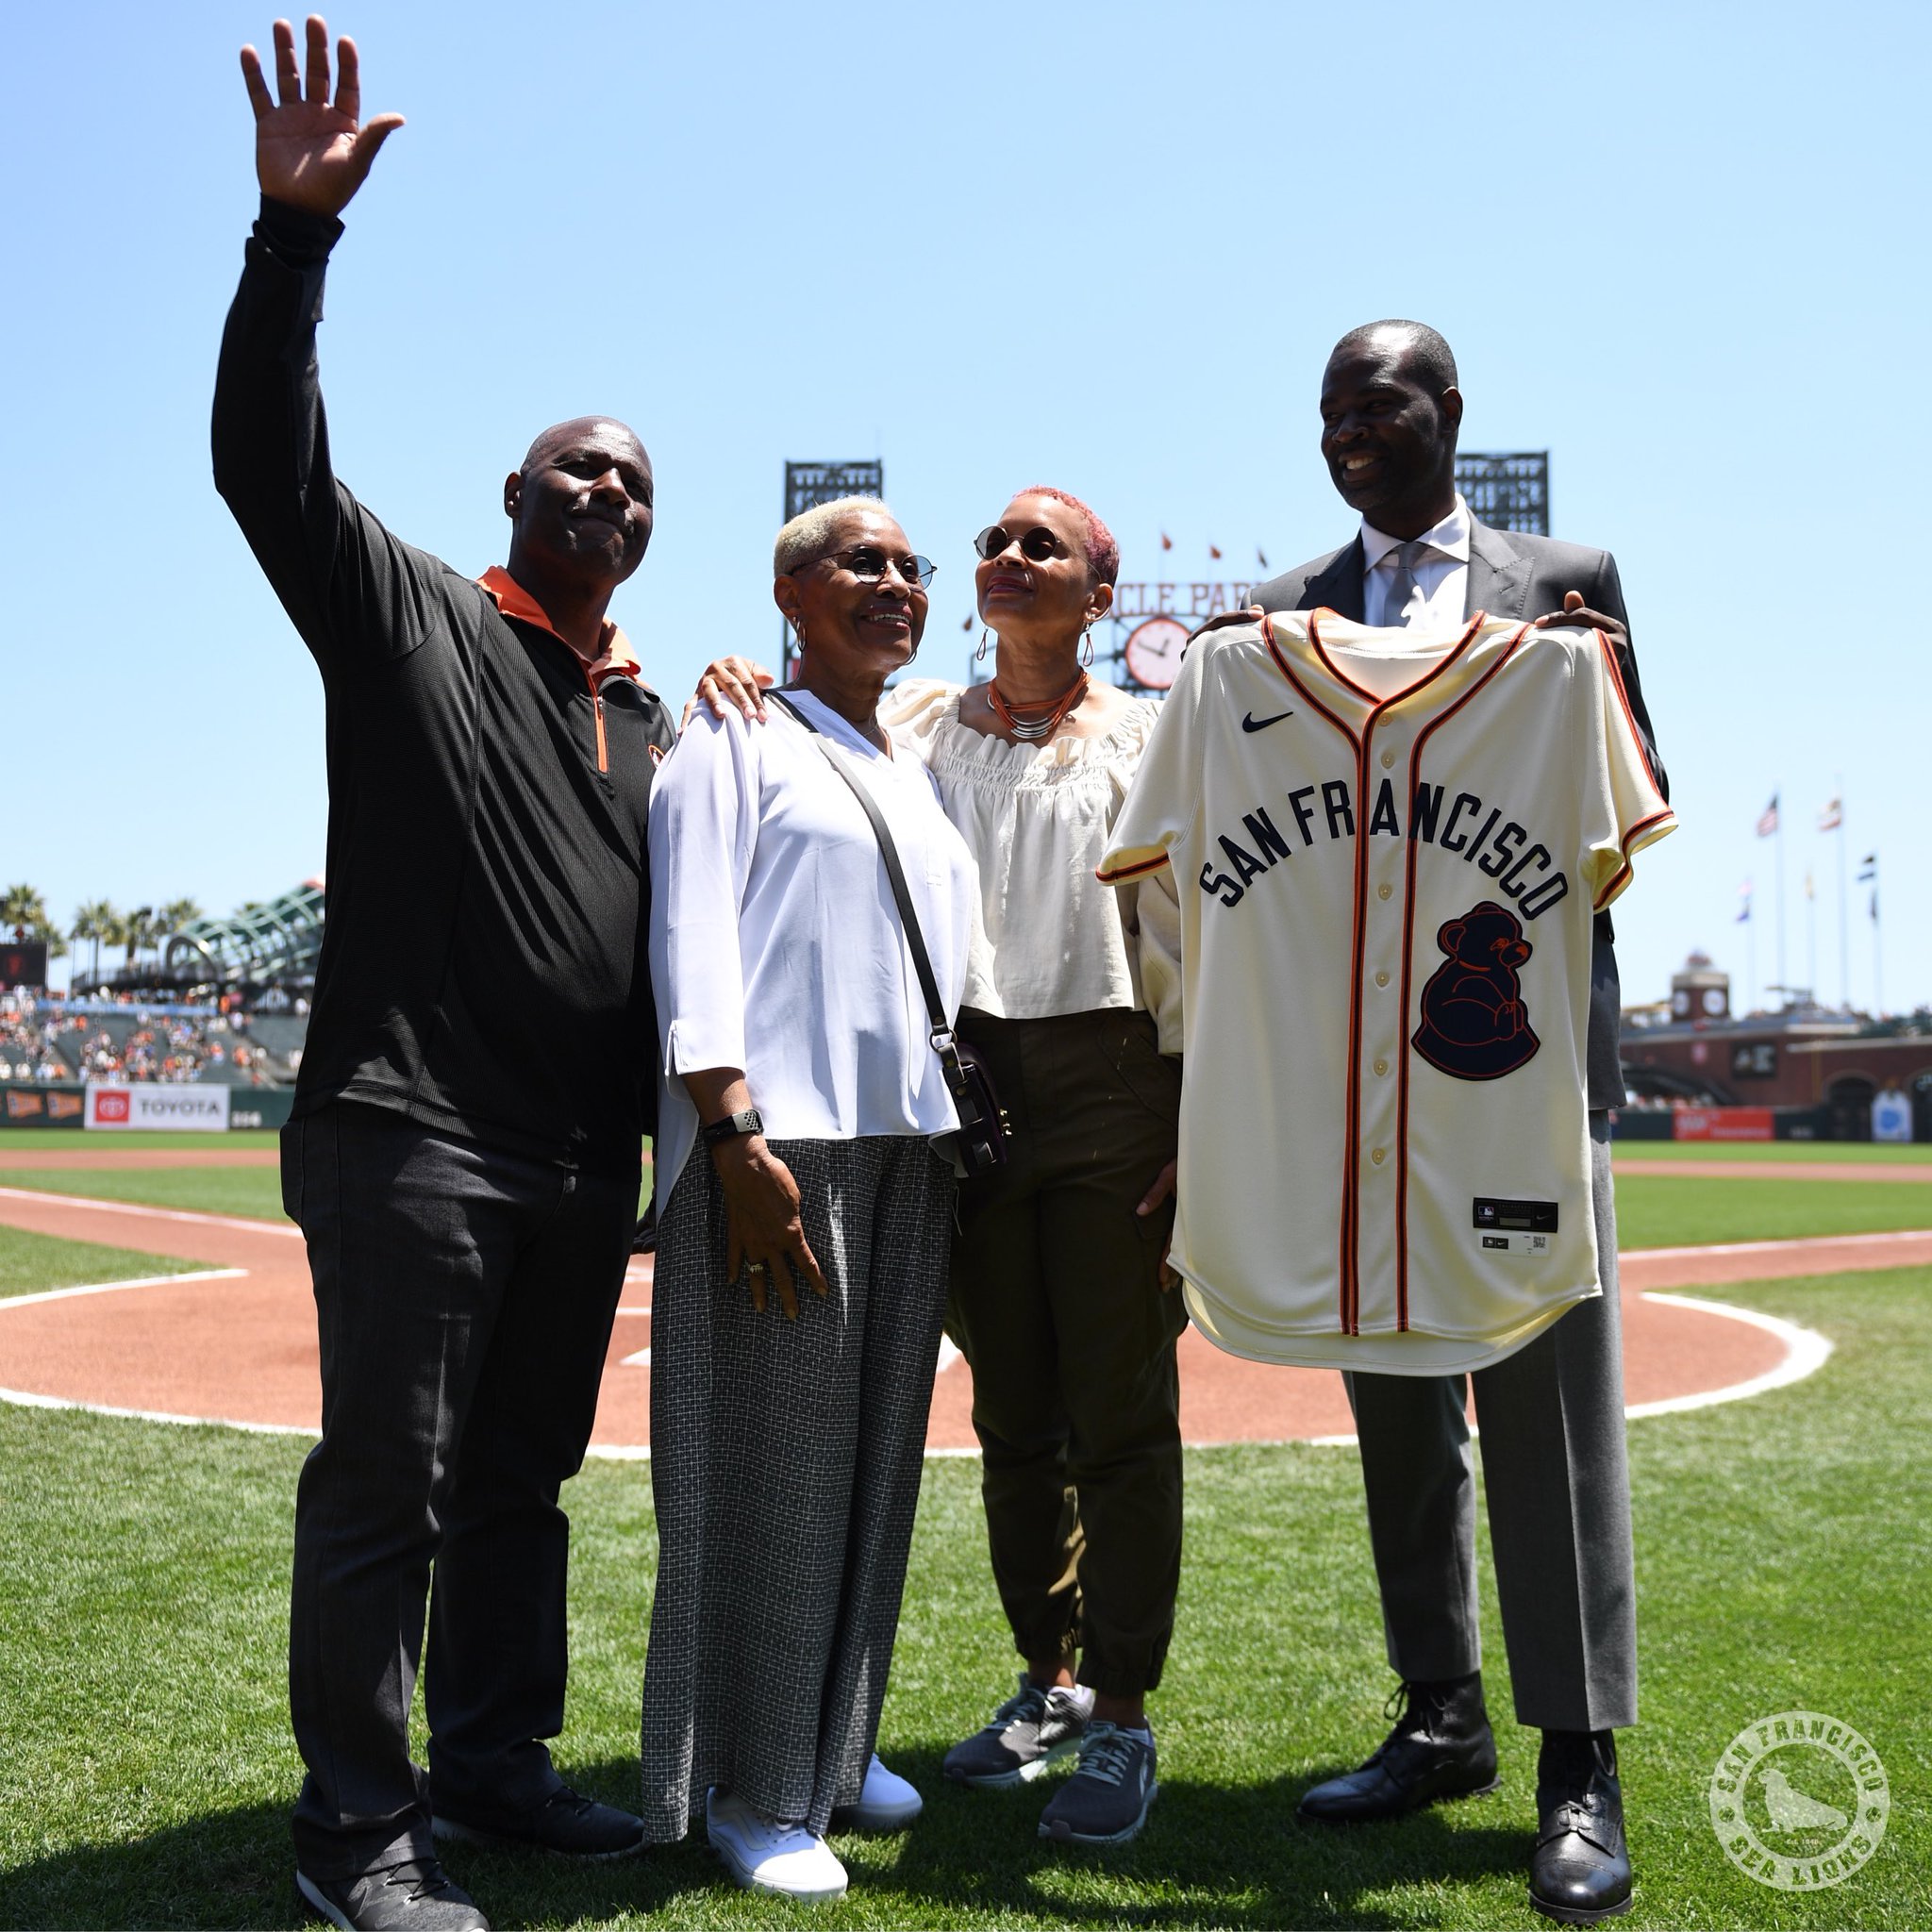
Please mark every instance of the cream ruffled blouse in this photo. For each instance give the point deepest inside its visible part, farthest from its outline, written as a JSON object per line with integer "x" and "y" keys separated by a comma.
{"x": 1036, "y": 818}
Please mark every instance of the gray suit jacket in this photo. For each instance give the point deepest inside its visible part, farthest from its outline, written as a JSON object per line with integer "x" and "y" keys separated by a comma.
{"x": 1512, "y": 573}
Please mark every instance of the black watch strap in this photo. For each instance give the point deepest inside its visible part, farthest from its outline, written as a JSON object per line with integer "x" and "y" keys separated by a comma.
{"x": 750, "y": 1122}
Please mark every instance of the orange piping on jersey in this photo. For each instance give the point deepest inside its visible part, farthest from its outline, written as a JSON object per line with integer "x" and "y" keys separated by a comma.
{"x": 1129, "y": 872}
{"x": 1415, "y": 774}
{"x": 1345, "y": 1257}
{"x": 1287, "y": 671}
{"x": 1340, "y": 676}
{"x": 1622, "y": 873}
{"x": 1623, "y": 699}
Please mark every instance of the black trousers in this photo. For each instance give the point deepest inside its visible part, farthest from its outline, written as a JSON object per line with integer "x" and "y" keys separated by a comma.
{"x": 464, "y": 1297}
{"x": 1056, "y": 1305}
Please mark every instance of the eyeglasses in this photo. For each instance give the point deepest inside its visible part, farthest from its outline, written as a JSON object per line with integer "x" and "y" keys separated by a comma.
{"x": 1038, "y": 543}
{"x": 869, "y": 563}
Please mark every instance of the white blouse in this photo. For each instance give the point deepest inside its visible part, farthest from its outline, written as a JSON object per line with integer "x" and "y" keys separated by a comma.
{"x": 1036, "y": 818}
{"x": 775, "y": 945}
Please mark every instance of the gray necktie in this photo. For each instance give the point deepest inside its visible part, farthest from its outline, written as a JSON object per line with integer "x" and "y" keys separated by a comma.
{"x": 1405, "y": 557}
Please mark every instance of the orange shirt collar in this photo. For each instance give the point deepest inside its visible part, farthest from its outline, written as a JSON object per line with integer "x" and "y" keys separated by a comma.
{"x": 514, "y": 601}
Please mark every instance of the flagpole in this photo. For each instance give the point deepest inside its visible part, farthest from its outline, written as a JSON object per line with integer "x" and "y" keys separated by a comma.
{"x": 1877, "y": 953}
{"x": 1778, "y": 833}
{"x": 1751, "y": 958}
{"x": 1845, "y": 944}
{"x": 1811, "y": 926}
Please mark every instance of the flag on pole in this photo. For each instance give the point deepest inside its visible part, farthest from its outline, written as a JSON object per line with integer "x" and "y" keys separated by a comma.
{"x": 1166, "y": 542}
{"x": 1867, "y": 867}
{"x": 1261, "y": 557}
{"x": 1744, "y": 907}
{"x": 1214, "y": 551}
{"x": 1809, "y": 892}
{"x": 967, "y": 626}
{"x": 1767, "y": 821}
{"x": 1832, "y": 817}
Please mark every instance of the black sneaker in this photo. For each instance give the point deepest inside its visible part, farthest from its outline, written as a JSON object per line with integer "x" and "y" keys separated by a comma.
{"x": 566, "y": 1824}
{"x": 1028, "y": 1732}
{"x": 417, "y": 1895}
{"x": 1105, "y": 1801}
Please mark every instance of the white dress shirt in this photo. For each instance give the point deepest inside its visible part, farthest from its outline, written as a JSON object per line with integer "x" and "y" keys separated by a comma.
{"x": 775, "y": 944}
{"x": 1442, "y": 578}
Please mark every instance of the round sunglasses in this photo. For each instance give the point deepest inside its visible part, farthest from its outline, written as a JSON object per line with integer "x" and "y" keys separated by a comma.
{"x": 1037, "y": 544}
{"x": 869, "y": 563}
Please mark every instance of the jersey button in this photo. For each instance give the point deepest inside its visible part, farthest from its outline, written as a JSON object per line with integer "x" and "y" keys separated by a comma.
{"x": 1383, "y": 891}
{"x": 1381, "y": 980}
{"x": 1379, "y": 1155}
{"x": 1381, "y": 1066}
{"x": 1388, "y": 760}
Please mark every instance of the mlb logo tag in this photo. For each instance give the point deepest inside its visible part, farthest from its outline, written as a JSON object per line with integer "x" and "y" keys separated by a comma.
{"x": 112, "y": 1106}
{"x": 1485, "y": 1214}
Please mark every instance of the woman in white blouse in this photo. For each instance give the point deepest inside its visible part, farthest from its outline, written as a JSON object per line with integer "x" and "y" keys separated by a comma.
{"x": 1058, "y": 1298}
{"x": 801, "y": 1096}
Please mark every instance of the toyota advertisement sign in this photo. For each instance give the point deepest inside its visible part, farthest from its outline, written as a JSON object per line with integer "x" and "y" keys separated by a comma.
{"x": 203, "y": 1110}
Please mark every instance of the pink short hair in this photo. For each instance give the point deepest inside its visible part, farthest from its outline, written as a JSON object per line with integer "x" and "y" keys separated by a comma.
{"x": 1103, "y": 553}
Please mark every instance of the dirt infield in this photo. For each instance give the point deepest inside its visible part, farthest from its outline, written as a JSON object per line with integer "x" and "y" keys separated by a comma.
{"x": 240, "y": 1347}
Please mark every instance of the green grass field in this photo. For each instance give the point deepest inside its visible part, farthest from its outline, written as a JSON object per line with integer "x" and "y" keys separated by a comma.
{"x": 30, "y": 1263}
{"x": 145, "y": 1769}
{"x": 1693, "y": 1210}
{"x": 41, "y": 1139}
{"x": 1771, "y": 1152}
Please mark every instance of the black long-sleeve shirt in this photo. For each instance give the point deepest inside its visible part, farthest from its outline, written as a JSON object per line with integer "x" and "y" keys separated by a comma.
{"x": 484, "y": 963}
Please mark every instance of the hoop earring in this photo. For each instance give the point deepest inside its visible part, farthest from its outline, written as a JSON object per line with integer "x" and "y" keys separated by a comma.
{"x": 979, "y": 656}
{"x": 1087, "y": 644}
{"x": 798, "y": 631}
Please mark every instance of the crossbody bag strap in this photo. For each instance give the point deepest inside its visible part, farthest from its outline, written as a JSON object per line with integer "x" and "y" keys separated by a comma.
{"x": 896, "y": 875}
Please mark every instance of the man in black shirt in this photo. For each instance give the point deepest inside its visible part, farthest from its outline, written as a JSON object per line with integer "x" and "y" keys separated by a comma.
{"x": 480, "y": 1072}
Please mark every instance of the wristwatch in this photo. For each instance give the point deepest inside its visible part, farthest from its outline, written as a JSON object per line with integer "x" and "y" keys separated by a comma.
{"x": 750, "y": 1122}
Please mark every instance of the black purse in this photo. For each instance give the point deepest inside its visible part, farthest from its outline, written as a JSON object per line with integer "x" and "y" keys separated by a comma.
{"x": 979, "y": 1148}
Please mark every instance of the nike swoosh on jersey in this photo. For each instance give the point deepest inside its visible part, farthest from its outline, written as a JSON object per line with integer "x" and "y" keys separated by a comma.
{"x": 1251, "y": 723}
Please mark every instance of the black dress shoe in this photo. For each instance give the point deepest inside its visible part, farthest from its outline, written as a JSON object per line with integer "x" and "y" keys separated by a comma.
{"x": 566, "y": 1823}
{"x": 1442, "y": 1747}
{"x": 1581, "y": 1871}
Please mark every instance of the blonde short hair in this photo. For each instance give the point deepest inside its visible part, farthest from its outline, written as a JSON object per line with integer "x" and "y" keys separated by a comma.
{"x": 808, "y": 535}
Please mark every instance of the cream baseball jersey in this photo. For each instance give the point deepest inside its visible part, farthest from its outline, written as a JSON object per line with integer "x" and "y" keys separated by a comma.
{"x": 1389, "y": 849}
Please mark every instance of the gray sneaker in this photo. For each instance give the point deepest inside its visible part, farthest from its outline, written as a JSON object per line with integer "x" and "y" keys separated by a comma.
{"x": 1028, "y": 1732}
{"x": 415, "y": 1896}
{"x": 1105, "y": 1801}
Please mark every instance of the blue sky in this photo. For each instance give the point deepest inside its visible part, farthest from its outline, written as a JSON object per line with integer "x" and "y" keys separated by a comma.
{"x": 1103, "y": 246}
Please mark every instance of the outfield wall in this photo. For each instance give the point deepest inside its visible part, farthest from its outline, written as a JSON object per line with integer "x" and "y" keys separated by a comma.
{"x": 148, "y": 1105}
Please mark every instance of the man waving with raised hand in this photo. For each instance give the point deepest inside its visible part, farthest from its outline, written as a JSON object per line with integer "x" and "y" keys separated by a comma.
{"x": 464, "y": 1155}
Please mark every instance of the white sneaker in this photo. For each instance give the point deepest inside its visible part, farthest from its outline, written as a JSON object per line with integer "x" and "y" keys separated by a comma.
{"x": 887, "y": 1803}
{"x": 766, "y": 1856}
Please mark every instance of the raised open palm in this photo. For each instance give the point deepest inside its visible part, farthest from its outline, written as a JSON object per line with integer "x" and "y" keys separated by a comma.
{"x": 309, "y": 153}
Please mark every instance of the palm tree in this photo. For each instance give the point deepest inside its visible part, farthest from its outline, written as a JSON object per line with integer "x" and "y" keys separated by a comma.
{"x": 177, "y": 913}
{"x": 96, "y": 920}
{"x": 23, "y": 910}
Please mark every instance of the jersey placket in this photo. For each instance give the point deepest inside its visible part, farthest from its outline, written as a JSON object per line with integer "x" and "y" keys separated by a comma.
{"x": 1383, "y": 901}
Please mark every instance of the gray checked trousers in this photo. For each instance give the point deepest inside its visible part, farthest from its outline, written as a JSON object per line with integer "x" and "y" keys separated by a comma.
{"x": 785, "y": 1464}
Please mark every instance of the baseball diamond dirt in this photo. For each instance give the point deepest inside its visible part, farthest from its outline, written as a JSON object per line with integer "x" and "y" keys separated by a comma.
{"x": 235, "y": 1342}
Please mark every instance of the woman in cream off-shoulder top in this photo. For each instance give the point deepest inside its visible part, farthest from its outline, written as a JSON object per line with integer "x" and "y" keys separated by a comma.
{"x": 1058, "y": 1298}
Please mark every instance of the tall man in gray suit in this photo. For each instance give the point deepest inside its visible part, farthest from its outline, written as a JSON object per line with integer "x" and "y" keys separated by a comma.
{"x": 1552, "y": 1415}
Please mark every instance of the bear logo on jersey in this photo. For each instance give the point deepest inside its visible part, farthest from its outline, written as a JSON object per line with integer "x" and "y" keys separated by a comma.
{"x": 1475, "y": 1025}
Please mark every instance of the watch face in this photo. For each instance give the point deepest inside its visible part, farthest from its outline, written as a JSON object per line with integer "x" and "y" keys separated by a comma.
{"x": 1153, "y": 652}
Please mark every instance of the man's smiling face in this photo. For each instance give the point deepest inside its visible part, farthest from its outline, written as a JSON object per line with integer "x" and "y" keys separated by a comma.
{"x": 1388, "y": 441}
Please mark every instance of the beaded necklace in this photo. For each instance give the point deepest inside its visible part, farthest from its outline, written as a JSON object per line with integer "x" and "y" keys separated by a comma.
{"x": 1031, "y": 730}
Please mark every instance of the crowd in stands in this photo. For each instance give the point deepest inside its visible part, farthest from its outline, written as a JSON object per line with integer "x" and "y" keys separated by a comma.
{"x": 41, "y": 1040}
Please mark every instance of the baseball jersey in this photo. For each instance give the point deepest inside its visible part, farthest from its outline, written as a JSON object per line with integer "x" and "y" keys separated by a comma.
{"x": 1389, "y": 850}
